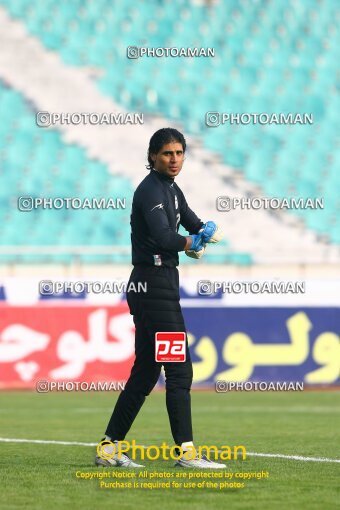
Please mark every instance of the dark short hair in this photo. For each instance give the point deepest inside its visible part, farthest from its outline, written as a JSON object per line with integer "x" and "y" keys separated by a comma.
{"x": 160, "y": 138}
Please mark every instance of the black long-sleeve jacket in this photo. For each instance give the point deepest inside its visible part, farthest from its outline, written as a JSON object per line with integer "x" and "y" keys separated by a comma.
{"x": 158, "y": 208}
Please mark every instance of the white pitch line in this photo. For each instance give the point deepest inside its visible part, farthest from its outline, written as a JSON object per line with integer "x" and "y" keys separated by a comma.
{"x": 293, "y": 457}
{"x": 253, "y": 454}
{"x": 43, "y": 441}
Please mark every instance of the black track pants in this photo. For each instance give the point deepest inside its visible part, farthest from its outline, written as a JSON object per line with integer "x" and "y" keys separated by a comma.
{"x": 158, "y": 309}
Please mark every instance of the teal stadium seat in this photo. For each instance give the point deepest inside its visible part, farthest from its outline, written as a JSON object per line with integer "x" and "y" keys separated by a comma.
{"x": 37, "y": 163}
{"x": 264, "y": 63}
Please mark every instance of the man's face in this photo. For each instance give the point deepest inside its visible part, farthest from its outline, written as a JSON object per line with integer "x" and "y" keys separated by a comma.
{"x": 169, "y": 160}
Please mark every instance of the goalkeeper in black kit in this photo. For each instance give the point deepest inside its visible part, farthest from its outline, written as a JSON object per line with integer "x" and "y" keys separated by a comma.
{"x": 158, "y": 208}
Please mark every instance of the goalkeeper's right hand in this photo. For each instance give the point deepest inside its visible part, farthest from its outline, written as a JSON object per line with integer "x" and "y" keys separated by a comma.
{"x": 197, "y": 247}
{"x": 196, "y": 241}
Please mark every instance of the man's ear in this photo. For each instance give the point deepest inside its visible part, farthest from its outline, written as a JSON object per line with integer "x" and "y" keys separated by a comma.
{"x": 153, "y": 157}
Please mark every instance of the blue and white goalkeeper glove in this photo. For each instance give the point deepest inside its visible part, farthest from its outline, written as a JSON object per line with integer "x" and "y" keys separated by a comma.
{"x": 197, "y": 248}
{"x": 211, "y": 233}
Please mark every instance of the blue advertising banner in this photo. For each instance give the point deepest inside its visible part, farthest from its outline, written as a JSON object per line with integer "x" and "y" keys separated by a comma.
{"x": 264, "y": 344}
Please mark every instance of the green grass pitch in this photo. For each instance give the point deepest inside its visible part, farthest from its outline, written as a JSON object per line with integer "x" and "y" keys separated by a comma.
{"x": 43, "y": 476}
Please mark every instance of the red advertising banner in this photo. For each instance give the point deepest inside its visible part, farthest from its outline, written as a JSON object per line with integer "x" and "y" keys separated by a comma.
{"x": 64, "y": 343}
